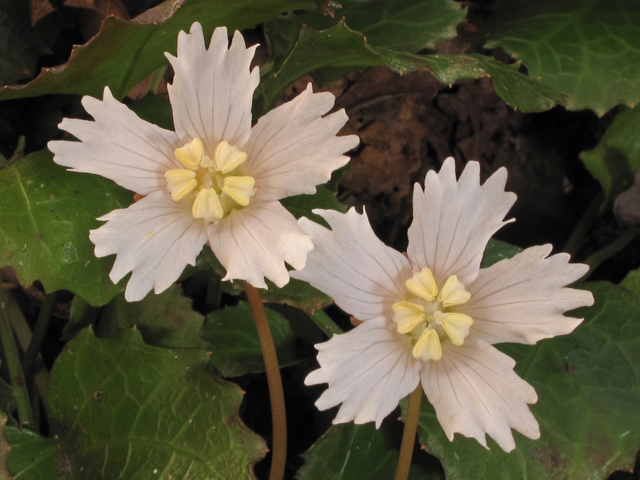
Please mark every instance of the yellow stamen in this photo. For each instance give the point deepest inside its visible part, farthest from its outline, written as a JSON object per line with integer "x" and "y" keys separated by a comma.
{"x": 190, "y": 154}
{"x": 180, "y": 183}
{"x": 453, "y": 293}
{"x": 457, "y": 327}
{"x": 423, "y": 285}
{"x": 240, "y": 189}
{"x": 228, "y": 157}
{"x": 407, "y": 315}
{"x": 207, "y": 205}
{"x": 428, "y": 346}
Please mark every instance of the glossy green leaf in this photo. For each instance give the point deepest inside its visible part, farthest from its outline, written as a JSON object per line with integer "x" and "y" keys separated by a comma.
{"x": 632, "y": 281}
{"x": 588, "y": 402}
{"x": 360, "y": 452}
{"x": 154, "y": 109}
{"x": 32, "y": 456}
{"x": 233, "y": 340}
{"x": 124, "y": 409}
{"x": 20, "y": 46}
{"x": 588, "y": 49}
{"x": 302, "y": 205}
{"x": 81, "y": 316}
{"x": 45, "y": 220}
{"x": 614, "y": 160}
{"x": 496, "y": 251}
{"x": 339, "y": 46}
{"x": 166, "y": 320}
{"x": 402, "y": 25}
{"x": 125, "y": 52}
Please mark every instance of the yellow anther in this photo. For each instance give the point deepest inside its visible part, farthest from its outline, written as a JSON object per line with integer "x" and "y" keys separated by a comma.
{"x": 439, "y": 317}
{"x": 428, "y": 346}
{"x": 423, "y": 285}
{"x": 453, "y": 293}
{"x": 180, "y": 183}
{"x": 228, "y": 157}
{"x": 191, "y": 154}
{"x": 457, "y": 327}
{"x": 407, "y": 315}
{"x": 207, "y": 205}
{"x": 239, "y": 189}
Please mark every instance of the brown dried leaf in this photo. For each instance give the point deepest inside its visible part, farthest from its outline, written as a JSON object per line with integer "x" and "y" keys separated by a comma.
{"x": 39, "y": 9}
{"x": 91, "y": 13}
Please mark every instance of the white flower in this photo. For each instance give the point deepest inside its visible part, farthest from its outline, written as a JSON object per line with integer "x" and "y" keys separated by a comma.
{"x": 215, "y": 178}
{"x": 434, "y": 314}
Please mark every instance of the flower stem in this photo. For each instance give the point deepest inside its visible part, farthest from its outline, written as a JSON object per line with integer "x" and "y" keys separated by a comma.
{"x": 579, "y": 235}
{"x": 39, "y": 332}
{"x": 409, "y": 434}
{"x": 595, "y": 259}
{"x": 276, "y": 393}
{"x": 23, "y": 335}
{"x": 324, "y": 323}
{"x": 18, "y": 383}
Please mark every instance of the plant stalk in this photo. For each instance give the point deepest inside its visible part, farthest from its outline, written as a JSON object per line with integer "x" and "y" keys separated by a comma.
{"x": 18, "y": 382}
{"x": 595, "y": 259}
{"x": 276, "y": 393}
{"x": 23, "y": 334}
{"x": 579, "y": 235}
{"x": 409, "y": 434}
{"x": 39, "y": 332}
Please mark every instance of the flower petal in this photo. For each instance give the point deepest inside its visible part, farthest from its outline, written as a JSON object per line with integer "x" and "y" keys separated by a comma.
{"x": 154, "y": 238}
{"x": 475, "y": 391}
{"x": 212, "y": 89}
{"x": 369, "y": 370}
{"x": 254, "y": 243}
{"x": 351, "y": 265}
{"x": 118, "y": 145}
{"x": 453, "y": 221}
{"x": 293, "y": 148}
{"x": 522, "y": 299}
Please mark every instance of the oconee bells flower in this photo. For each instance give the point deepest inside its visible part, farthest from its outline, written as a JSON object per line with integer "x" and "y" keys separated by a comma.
{"x": 215, "y": 178}
{"x": 434, "y": 315}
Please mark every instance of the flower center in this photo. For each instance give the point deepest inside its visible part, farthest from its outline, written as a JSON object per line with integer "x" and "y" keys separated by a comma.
{"x": 424, "y": 314}
{"x": 213, "y": 188}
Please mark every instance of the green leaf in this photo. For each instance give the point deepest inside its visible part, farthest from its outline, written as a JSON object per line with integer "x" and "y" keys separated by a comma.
{"x": 402, "y": 25}
{"x": 588, "y": 402}
{"x": 615, "y": 159}
{"x": 632, "y": 281}
{"x": 124, "y": 409}
{"x": 125, "y": 52}
{"x": 339, "y": 46}
{"x": 154, "y": 109}
{"x": 33, "y": 456}
{"x": 81, "y": 316}
{"x": 233, "y": 339}
{"x": 589, "y": 49}
{"x": 166, "y": 320}
{"x": 302, "y": 205}
{"x": 496, "y": 251}
{"x": 297, "y": 294}
{"x": 360, "y": 452}
{"x": 20, "y": 46}
{"x": 45, "y": 220}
